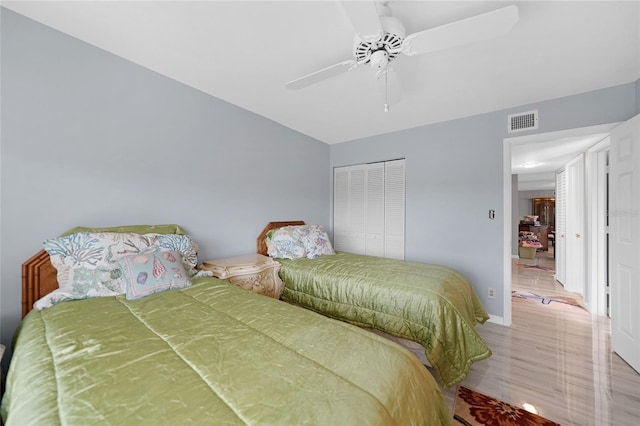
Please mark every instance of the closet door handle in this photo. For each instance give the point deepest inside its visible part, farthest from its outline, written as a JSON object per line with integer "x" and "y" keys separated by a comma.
{"x": 577, "y": 235}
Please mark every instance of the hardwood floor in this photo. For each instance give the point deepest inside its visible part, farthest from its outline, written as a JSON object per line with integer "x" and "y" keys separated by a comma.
{"x": 558, "y": 361}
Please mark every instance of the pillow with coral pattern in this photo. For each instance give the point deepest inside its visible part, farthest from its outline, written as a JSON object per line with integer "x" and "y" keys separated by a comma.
{"x": 285, "y": 243}
{"x": 87, "y": 262}
{"x": 315, "y": 240}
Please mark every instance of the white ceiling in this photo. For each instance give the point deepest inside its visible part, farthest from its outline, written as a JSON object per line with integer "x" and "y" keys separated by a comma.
{"x": 536, "y": 158}
{"x": 244, "y": 52}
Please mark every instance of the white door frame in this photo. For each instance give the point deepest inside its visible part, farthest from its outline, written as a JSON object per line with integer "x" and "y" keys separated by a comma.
{"x": 507, "y": 231}
{"x": 507, "y": 201}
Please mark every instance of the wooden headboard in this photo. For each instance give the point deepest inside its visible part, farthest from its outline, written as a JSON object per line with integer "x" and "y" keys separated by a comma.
{"x": 261, "y": 246}
{"x": 39, "y": 278}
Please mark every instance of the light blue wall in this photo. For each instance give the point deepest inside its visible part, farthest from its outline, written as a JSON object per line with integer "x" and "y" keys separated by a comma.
{"x": 638, "y": 96}
{"x": 91, "y": 139}
{"x": 454, "y": 176}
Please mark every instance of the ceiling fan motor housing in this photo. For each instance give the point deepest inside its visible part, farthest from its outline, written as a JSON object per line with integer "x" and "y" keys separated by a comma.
{"x": 389, "y": 44}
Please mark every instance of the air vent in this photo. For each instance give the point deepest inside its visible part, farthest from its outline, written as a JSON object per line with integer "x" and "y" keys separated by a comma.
{"x": 522, "y": 121}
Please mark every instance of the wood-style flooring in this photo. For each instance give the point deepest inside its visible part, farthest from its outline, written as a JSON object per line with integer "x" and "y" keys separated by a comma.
{"x": 559, "y": 362}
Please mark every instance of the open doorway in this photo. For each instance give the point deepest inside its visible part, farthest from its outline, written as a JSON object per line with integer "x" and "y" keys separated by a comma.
{"x": 561, "y": 147}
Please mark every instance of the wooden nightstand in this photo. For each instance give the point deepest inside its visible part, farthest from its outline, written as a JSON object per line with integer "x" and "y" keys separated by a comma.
{"x": 253, "y": 272}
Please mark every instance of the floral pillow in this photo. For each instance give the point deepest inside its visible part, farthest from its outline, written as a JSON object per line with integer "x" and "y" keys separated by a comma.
{"x": 285, "y": 243}
{"x": 295, "y": 242}
{"x": 315, "y": 240}
{"x": 87, "y": 263}
{"x": 183, "y": 244}
{"x": 152, "y": 272}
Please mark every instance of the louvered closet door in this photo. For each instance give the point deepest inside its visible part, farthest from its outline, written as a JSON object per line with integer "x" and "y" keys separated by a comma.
{"x": 341, "y": 208}
{"x": 394, "y": 209}
{"x": 561, "y": 220}
{"x": 368, "y": 216}
{"x": 375, "y": 225}
{"x": 358, "y": 210}
{"x": 349, "y": 209}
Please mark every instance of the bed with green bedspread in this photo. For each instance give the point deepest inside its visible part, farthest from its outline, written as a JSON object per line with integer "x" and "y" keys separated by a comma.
{"x": 211, "y": 353}
{"x": 428, "y": 304}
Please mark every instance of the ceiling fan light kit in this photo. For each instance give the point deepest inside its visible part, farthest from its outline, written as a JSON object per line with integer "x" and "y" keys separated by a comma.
{"x": 390, "y": 43}
{"x": 380, "y": 38}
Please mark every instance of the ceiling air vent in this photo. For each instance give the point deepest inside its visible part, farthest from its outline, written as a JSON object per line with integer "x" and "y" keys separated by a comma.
{"x": 523, "y": 121}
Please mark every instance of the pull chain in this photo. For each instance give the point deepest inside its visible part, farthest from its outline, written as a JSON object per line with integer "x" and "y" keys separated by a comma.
{"x": 386, "y": 92}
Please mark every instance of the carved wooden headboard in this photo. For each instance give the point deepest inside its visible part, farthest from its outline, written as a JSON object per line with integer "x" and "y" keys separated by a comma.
{"x": 39, "y": 278}
{"x": 261, "y": 246}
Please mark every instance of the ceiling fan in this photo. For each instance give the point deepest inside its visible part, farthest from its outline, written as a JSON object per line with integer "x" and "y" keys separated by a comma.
{"x": 380, "y": 38}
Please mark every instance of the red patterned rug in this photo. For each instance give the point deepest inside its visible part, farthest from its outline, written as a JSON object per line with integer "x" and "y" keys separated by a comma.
{"x": 475, "y": 409}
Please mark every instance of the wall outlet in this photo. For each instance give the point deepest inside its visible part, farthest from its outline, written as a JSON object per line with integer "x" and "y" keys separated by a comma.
{"x": 492, "y": 293}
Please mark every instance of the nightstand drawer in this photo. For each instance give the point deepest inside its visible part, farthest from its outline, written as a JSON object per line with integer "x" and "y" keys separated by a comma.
{"x": 253, "y": 272}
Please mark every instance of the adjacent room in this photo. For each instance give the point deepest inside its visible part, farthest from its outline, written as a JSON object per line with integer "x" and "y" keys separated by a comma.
{"x": 245, "y": 152}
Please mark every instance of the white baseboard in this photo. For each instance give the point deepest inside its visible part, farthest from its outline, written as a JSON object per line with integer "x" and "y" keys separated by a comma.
{"x": 496, "y": 319}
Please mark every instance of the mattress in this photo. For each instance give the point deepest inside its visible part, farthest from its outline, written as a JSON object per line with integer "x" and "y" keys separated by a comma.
{"x": 429, "y": 304}
{"x": 211, "y": 353}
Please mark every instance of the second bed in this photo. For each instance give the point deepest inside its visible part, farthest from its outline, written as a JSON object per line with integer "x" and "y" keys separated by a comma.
{"x": 432, "y": 305}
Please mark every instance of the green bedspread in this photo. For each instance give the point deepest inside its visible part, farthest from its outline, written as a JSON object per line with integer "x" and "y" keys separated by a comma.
{"x": 212, "y": 353}
{"x": 432, "y": 305}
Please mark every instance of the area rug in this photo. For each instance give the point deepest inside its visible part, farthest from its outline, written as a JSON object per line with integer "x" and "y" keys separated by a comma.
{"x": 475, "y": 409}
{"x": 540, "y": 267}
{"x": 553, "y": 302}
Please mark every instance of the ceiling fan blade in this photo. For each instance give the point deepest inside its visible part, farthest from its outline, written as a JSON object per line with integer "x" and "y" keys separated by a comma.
{"x": 364, "y": 18}
{"x": 322, "y": 74}
{"x": 389, "y": 87}
{"x": 477, "y": 28}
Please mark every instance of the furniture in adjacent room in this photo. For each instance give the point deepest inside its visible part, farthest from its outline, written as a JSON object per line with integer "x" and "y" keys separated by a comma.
{"x": 541, "y": 232}
{"x": 545, "y": 209}
{"x": 253, "y": 272}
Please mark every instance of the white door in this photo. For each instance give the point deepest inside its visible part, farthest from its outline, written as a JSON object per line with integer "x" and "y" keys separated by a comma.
{"x": 561, "y": 229}
{"x": 375, "y": 203}
{"x": 624, "y": 232}
{"x": 368, "y": 209}
{"x": 349, "y": 210}
{"x": 394, "y": 192}
{"x": 574, "y": 235}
